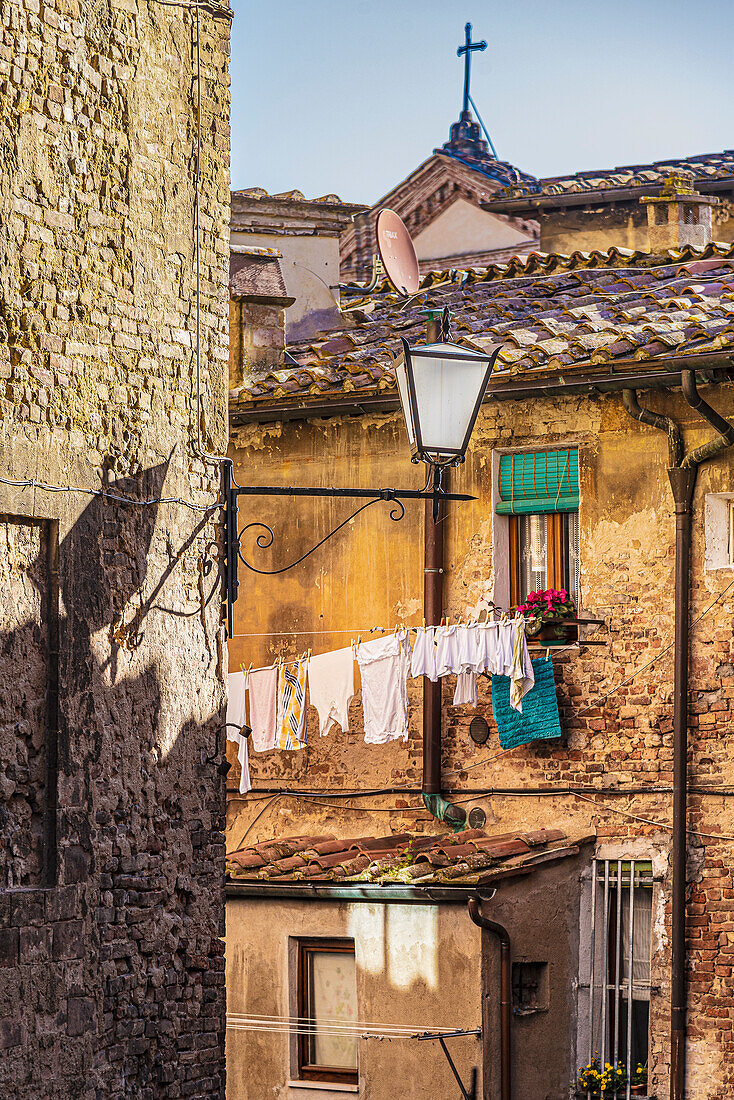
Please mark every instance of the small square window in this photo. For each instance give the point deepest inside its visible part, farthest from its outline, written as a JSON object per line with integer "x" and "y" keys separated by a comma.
{"x": 327, "y": 1007}
{"x": 529, "y": 988}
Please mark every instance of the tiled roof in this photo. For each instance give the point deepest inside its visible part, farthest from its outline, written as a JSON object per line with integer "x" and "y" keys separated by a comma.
{"x": 286, "y": 196}
{"x": 705, "y": 166}
{"x": 550, "y": 312}
{"x": 467, "y": 146}
{"x": 467, "y": 858}
{"x": 500, "y": 170}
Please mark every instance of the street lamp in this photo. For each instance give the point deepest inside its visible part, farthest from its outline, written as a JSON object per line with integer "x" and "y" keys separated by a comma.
{"x": 441, "y": 388}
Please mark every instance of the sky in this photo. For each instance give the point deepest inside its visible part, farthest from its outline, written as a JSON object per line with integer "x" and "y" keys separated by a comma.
{"x": 350, "y": 96}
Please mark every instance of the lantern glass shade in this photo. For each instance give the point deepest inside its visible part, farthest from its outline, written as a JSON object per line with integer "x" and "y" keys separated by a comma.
{"x": 441, "y": 387}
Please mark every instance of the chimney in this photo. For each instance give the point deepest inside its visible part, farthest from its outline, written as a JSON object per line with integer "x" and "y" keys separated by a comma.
{"x": 258, "y": 300}
{"x": 678, "y": 215}
{"x": 306, "y": 234}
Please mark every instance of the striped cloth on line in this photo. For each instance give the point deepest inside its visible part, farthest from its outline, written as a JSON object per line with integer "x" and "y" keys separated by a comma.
{"x": 539, "y": 718}
{"x": 292, "y": 706}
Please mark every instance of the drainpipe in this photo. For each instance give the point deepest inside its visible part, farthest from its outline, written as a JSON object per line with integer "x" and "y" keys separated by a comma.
{"x": 499, "y": 930}
{"x": 682, "y": 473}
{"x": 656, "y": 420}
{"x": 435, "y": 803}
{"x": 682, "y": 483}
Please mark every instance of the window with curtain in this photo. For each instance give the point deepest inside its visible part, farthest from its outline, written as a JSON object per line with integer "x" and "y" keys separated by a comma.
{"x": 327, "y": 1006}
{"x": 539, "y": 492}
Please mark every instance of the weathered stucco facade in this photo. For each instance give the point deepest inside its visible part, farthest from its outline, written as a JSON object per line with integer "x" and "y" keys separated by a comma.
{"x": 112, "y": 680}
{"x": 371, "y": 574}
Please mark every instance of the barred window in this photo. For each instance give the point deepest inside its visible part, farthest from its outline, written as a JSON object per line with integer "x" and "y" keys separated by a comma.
{"x": 619, "y": 982}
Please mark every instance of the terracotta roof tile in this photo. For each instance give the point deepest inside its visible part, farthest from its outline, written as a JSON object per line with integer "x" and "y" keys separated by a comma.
{"x": 704, "y": 166}
{"x": 550, "y": 312}
{"x": 398, "y": 858}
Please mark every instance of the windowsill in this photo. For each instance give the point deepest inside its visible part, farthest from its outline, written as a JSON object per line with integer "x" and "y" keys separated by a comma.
{"x": 323, "y": 1086}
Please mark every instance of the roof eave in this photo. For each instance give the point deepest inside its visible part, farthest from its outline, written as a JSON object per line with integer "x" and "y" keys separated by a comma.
{"x": 524, "y": 205}
{"x": 620, "y": 375}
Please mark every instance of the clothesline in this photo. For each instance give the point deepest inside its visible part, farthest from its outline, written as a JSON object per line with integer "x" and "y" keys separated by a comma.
{"x": 354, "y": 630}
{"x": 357, "y": 634}
{"x": 278, "y": 701}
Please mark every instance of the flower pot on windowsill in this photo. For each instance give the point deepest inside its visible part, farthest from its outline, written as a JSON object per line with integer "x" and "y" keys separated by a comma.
{"x": 608, "y": 1094}
{"x": 560, "y": 632}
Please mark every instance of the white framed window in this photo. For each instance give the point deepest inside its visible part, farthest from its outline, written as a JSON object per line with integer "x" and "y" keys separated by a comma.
{"x": 719, "y": 531}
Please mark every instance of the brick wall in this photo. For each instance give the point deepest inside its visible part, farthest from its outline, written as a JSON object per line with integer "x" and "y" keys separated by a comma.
{"x": 112, "y": 975}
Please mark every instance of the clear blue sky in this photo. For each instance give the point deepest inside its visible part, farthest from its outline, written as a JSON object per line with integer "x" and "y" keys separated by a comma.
{"x": 349, "y": 96}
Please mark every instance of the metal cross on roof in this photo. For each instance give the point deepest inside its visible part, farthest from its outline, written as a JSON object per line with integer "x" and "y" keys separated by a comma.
{"x": 466, "y": 50}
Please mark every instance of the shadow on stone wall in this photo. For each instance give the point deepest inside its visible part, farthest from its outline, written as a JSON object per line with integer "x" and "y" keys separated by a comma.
{"x": 114, "y": 981}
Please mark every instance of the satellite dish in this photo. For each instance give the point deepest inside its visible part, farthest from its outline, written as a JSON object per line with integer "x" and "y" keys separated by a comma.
{"x": 397, "y": 252}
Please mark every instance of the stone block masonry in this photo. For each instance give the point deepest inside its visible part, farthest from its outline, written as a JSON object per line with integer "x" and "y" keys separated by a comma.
{"x": 113, "y": 664}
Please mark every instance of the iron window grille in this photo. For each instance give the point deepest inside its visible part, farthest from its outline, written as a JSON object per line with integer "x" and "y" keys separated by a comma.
{"x": 619, "y": 984}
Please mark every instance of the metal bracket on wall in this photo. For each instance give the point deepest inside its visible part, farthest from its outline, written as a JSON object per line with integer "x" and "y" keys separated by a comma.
{"x": 233, "y": 535}
{"x": 470, "y": 1092}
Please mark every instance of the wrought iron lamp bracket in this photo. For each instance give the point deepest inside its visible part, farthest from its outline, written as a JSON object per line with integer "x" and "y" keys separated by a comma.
{"x": 233, "y": 535}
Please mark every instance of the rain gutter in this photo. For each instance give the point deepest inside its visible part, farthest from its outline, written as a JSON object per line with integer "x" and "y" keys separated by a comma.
{"x": 415, "y": 895}
{"x": 528, "y": 204}
{"x": 474, "y": 904}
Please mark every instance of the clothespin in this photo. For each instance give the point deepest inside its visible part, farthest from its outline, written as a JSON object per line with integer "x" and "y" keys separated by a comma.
{"x": 424, "y": 622}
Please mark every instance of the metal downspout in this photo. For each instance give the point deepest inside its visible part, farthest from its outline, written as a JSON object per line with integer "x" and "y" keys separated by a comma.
{"x": 682, "y": 483}
{"x": 499, "y": 930}
{"x": 682, "y": 472}
{"x": 656, "y": 420}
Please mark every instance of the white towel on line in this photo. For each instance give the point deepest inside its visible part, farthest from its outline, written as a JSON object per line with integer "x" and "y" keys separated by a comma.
{"x": 423, "y": 661}
{"x": 331, "y": 687}
{"x": 236, "y": 719}
{"x": 384, "y": 664}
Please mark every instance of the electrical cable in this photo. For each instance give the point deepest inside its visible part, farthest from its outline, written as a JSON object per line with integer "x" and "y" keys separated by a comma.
{"x": 197, "y": 246}
{"x": 33, "y": 483}
{"x": 648, "y": 821}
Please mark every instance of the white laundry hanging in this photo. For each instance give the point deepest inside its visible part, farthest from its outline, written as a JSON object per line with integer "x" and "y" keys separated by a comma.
{"x": 384, "y": 664}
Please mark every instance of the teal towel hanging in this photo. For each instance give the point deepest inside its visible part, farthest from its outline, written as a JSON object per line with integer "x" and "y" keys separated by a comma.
{"x": 539, "y": 719}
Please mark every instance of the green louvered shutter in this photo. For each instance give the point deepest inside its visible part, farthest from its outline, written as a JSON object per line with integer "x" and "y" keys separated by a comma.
{"x": 539, "y": 481}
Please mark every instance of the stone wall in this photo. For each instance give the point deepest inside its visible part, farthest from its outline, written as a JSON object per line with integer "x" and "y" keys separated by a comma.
{"x": 112, "y": 970}
{"x": 371, "y": 574}
{"x": 622, "y": 224}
